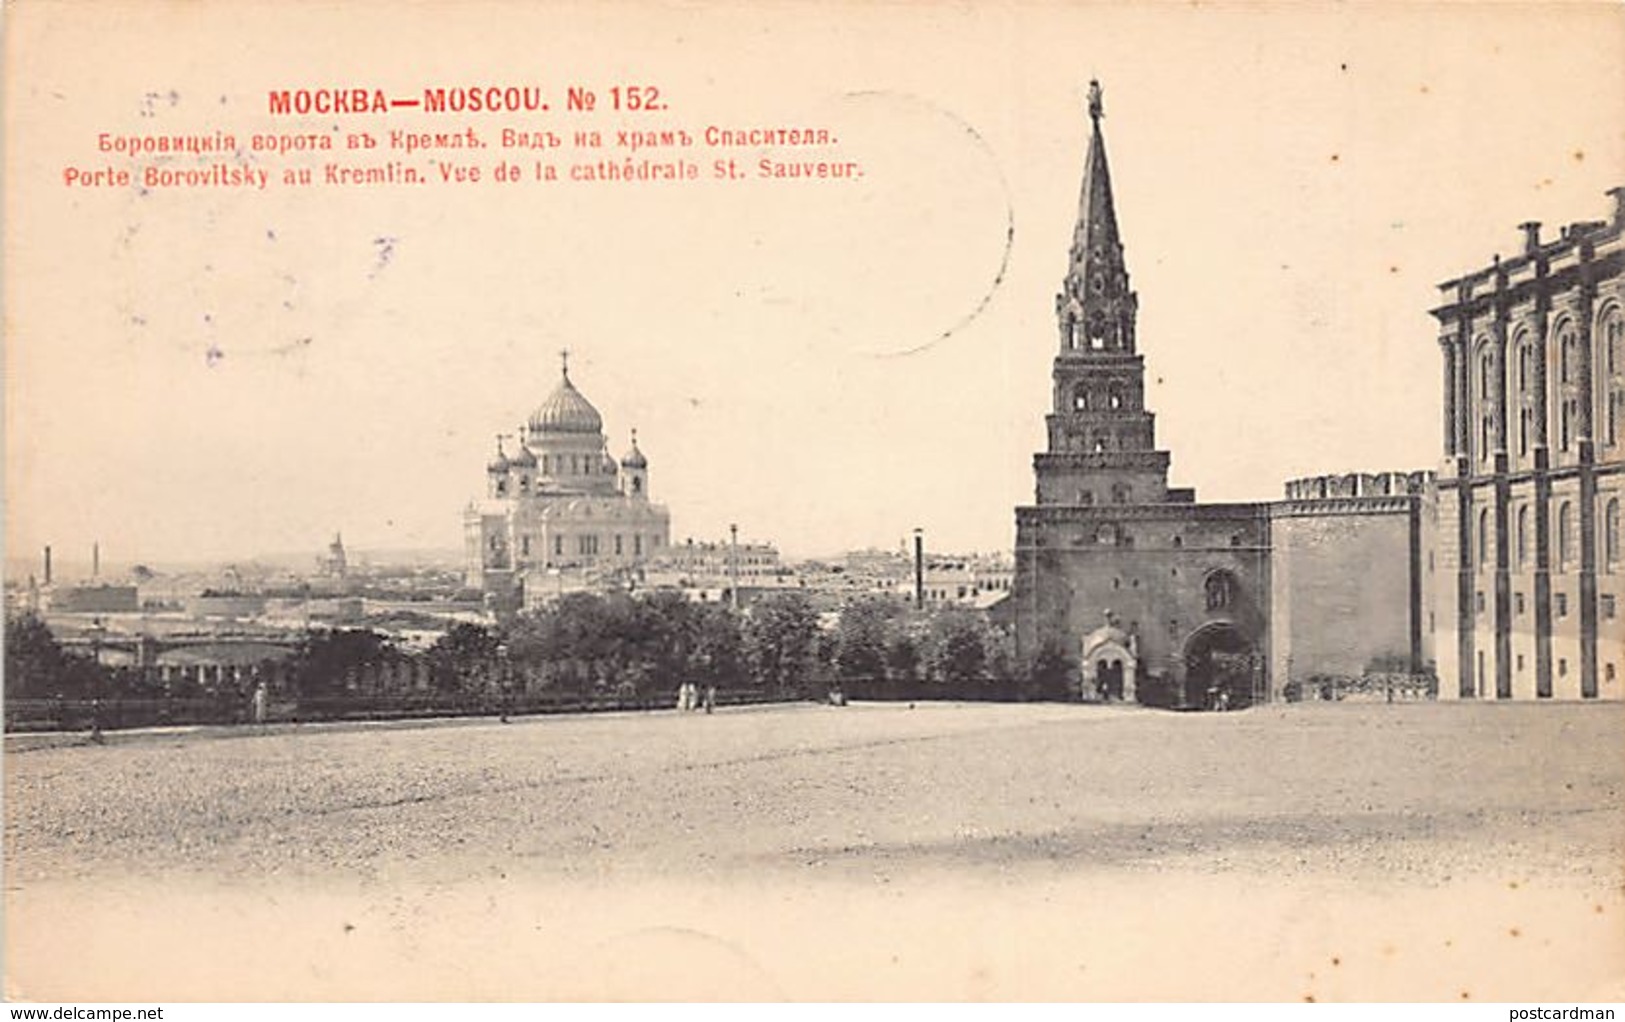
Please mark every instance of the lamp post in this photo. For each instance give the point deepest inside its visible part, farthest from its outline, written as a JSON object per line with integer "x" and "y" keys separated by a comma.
{"x": 733, "y": 566}
{"x": 97, "y": 632}
{"x": 504, "y": 680}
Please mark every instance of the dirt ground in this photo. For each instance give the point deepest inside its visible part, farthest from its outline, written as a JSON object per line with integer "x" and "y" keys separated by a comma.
{"x": 941, "y": 852}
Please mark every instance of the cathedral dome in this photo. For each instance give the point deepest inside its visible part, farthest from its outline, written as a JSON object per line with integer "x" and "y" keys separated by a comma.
{"x": 566, "y": 411}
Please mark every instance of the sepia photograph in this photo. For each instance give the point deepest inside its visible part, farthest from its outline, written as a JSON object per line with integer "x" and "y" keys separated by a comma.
{"x": 520, "y": 501}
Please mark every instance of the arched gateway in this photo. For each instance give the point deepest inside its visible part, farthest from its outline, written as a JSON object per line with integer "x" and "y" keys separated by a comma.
{"x": 1222, "y": 668}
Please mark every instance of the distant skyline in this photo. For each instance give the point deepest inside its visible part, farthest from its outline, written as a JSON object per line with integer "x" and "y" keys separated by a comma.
{"x": 211, "y": 375}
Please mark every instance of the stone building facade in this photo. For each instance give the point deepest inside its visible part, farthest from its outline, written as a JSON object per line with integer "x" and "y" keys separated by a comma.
{"x": 1160, "y": 599}
{"x": 1533, "y": 353}
{"x": 561, "y": 506}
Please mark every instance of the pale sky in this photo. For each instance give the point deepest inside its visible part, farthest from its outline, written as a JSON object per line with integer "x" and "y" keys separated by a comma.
{"x": 1291, "y": 186}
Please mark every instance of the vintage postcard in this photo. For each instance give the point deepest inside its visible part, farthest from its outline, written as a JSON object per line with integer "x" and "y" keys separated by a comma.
{"x": 516, "y": 501}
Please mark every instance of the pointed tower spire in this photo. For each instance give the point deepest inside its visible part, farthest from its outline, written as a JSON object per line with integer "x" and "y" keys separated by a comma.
{"x": 1102, "y": 438}
{"x": 1096, "y": 309}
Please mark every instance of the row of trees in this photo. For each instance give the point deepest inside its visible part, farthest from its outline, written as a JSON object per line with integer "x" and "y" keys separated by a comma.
{"x": 637, "y": 648}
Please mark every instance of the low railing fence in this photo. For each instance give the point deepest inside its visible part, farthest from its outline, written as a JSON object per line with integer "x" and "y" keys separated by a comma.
{"x": 1373, "y": 686}
{"x": 23, "y": 715}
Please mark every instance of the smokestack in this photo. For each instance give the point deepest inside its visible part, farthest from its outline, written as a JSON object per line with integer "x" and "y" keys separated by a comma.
{"x": 96, "y": 559}
{"x": 47, "y": 564}
{"x": 919, "y": 568}
{"x": 1531, "y": 236}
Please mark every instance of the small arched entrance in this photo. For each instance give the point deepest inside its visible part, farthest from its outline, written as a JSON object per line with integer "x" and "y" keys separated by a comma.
{"x": 1110, "y": 662}
{"x": 1221, "y": 668}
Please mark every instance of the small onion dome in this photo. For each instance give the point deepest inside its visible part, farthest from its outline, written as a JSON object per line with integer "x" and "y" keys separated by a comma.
{"x": 525, "y": 458}
{"x": 499, "y": 464}
{"x": 634, "y": 458}
{"x": 566, "y": 411}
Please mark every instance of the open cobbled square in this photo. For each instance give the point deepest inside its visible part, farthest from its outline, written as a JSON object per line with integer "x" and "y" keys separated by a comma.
{"x": 874, "y": 851}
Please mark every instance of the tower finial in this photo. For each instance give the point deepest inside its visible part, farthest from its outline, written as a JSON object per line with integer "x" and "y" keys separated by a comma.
{"x": 1097, "y": 106}
{"x": 634, "y": 436}
{"x": 500, "y": 437}
{"x": 564, "y": 360}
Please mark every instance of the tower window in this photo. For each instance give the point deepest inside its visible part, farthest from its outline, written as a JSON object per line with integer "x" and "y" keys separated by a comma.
{"x": 1562, "y": 604}
{"x": 1220, "y": 590}
{"x": 1606, "y": 604}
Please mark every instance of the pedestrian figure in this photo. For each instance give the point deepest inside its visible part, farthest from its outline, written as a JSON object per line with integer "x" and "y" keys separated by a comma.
{"x": 710, "y": 698}
{"x": 262, "y": 700}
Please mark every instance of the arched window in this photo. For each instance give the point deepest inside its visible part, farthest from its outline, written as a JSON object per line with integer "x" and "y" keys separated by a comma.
{"x": 1567, "y": 391}
{"x": 1486, "y": 401}
{"x": 1611, "y": 363}
{"x": 1080, "y": 398}
{"x": 1610, "y": 534}
{"x": 1114, "y": 396}
{"x": 1097, "y": 331}
{"x": 1522, "y": 545}
{"x": 1220, "y": 588}
{"x": 1526, "y": 393}
{"x": 1565, "y": 538}
{"x": 1483, "y": 536}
